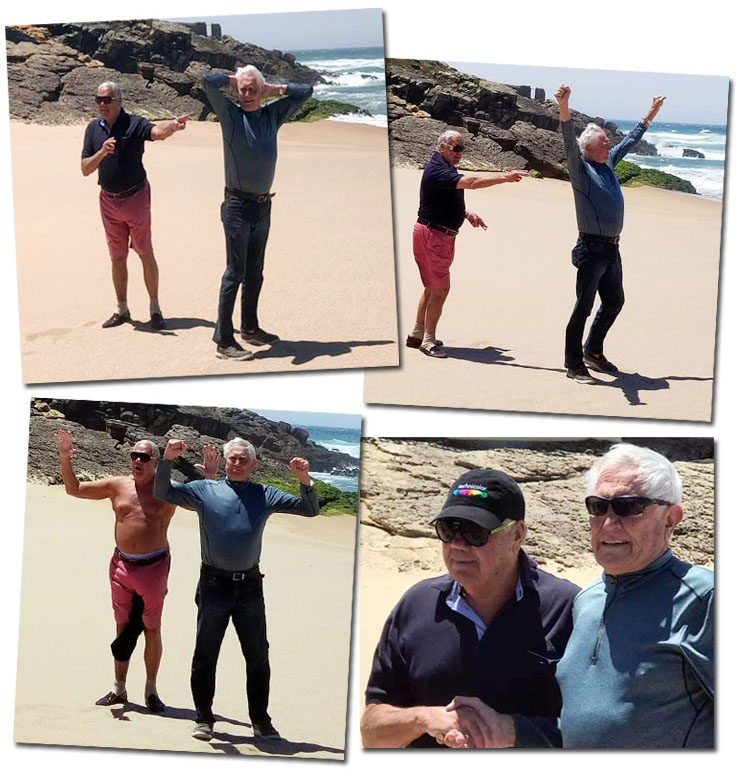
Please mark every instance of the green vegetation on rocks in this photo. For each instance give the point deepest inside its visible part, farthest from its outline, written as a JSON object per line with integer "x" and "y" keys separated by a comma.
{"x": 333, "y": 501}
{"x": 314, "y": 109}
{"x": 632, "y": 175}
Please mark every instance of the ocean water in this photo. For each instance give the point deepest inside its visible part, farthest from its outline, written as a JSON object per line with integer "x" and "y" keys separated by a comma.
{"x": 355, "y": 76}
{"x": 705, "y": 174}
{"x": 341, "y": 440}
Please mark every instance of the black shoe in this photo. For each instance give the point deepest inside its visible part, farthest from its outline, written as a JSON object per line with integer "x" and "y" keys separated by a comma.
{"x": 203, "y": 731}
{"x": 435, "y": 351}
{"x": 258, "y": 337}
{"x": 112, "y": 698}
{"x": 157, "y": 322}
{"x": 154, "y": 703}
{"x": 599, "y": 362}
{"x": 116, "y": 320}
{"x": 415, "y": 342}
{"x": 265, "y": 730}
{"x": 581, "y": 375}
{"x": 233, "y": 351}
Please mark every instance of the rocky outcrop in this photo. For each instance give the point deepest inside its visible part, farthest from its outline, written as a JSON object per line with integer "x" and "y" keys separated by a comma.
{"x": 502, "y": 126}
{"x": 54, "y": 70}
{"x": 405, "y": 482}
{"x": 104, "y": 433}
{"x": 632, "y": 175}
{"x": 689, "y": 153}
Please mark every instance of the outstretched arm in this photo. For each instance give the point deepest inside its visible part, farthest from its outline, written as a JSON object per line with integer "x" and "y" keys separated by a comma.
{"x": 94, "y": 491}
{"x": 164, "y": 130}
{"x": 307, "y": 505}
{"x": 654, "y": 110}
{"x": 474, "y": 182}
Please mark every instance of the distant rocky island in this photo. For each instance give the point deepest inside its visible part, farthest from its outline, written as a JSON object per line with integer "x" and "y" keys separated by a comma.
{"x": 505, "y": 127}
{"x": 55, "y": 69}
{"x": 103, "y": 434}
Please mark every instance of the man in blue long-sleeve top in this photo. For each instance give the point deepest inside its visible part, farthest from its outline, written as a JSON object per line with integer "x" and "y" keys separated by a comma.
{"x": 600, "y": 215}
{"x": 232, "y": 513}
{"x": 250, "y": 154}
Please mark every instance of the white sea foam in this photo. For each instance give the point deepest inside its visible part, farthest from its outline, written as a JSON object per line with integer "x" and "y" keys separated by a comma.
{"x": 352, "y": 79}
{"x": 342, "y": 64}
{"x": 356, "y": 117}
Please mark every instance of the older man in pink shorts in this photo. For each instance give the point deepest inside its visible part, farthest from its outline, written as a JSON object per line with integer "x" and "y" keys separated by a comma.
{"x": 114, "y": 146}
{"x": 441, "y": 214}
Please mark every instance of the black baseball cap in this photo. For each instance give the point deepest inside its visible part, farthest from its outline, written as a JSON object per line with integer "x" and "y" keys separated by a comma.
{"x": 484, "y": 496}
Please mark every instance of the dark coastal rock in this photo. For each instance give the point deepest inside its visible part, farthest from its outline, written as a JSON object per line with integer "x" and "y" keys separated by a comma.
{"x": 643, "y": 147}
{"x": 113, "y": 428}
{"x": 53, "y": 71}
{"x": 688, "y": 153}
{"x": 502, "y": 126}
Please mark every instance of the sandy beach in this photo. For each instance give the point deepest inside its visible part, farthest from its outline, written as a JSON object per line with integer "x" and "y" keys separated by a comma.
{"x": 66, "y": 626}
{"x": 513, "y": 288}
{"x": 329, "y": 287}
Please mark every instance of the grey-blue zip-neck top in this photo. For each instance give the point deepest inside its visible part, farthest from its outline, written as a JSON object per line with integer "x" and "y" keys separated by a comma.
{"x": 250, "y": 138}
{"x": 596, "y": 190}
{"x": 232, "y": 515}
{"x": 638, "y": 670}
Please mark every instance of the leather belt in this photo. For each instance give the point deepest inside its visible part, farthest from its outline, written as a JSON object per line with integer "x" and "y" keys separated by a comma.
{"x": 250, "y": 574}
{"x": 441, "y": 228}
{"x": 598, "y": 239}
{"x": 125, "y": 193}
{"x": 118, "y": 554}
{"x": 249, "y": 197}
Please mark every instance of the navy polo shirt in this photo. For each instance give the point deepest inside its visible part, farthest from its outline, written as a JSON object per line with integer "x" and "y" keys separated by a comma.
{"x": 440, "y": 202}
{"x": 429, "y": 653}
{"x": 124, "y": 168}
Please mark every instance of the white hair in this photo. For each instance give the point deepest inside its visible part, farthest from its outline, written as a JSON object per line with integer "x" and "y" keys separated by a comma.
{"x": 588, "y": 135}
{"x": 153, "y": 449}
{"x": 114, "y": 87}
{"x": 656, "y": 476}
{"x": 239, "y": 442}
{"x": 445, "y": 137}
{"x": 250, "y": 69}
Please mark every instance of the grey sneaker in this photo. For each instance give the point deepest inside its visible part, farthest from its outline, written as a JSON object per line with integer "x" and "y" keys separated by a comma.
{"x": 203, "y": 731}
{"x": 265, "y": 730}
{"x": 599, "y": 362}
{"x": 581, "y": 375}
{"x": 233, "y": 351}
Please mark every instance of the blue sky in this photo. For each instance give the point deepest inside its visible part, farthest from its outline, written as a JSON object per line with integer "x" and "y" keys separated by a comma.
{"x": 615, "y": 95}
{"x": 317, "y": 419}
{"x": 309, "y": 30}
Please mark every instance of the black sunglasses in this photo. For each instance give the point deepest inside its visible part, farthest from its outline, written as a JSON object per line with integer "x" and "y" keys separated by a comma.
{"x": 145, "y": 457}
{"x": 470, "y": 532}
{"x": 104, "y": 99}
{"x": 623, "y": 506}
{"x": 457, "y": 148}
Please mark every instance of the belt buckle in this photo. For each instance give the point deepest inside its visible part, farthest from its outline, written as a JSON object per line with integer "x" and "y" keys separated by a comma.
{"x": 238, "y": 576}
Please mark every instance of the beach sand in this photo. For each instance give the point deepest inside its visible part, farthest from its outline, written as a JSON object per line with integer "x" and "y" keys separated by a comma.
{"x": 66, "y": 626}
{"x": 513, "y": 289}
{"x": 329, "y": 288}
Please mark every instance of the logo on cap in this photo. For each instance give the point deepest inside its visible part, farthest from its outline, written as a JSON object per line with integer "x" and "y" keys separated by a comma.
{"x": 470, "y": 491}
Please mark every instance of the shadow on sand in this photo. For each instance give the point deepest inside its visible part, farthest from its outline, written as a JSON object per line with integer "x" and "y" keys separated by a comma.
{"x": 630, "y": 383}
{"x": 173, "y": 325}
{"x": 304, "y": 351}
{"x": 227, "y": 743}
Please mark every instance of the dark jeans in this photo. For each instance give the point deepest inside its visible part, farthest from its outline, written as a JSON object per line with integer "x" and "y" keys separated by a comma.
{"x": 246, "y": 226}
{"x": 218, "y": 600}
{"x": 599, "y": 270}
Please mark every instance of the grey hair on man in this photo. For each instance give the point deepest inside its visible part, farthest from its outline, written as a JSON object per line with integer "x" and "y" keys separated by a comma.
{"x": 114, "y": 87}
{"x": 656, "y": 476}
{"x": 588, "y": 135}
{"x": 250, "y": 69}
{"x": 237, "y": 441}
{"x": 153, "y": 449}
{"x": 445, "y": 137}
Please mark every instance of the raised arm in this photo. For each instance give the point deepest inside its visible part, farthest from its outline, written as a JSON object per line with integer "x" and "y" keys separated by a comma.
{"x": 220, "y": 103}
{"x": 294, "y": 95}
{"x": 211, "y": 461}
{"x": 628, "y": 142}
{"x": 305, "y": 505}
{"x": 94, "y": 491}
{"x": 180, "y": 494}
{"x": 576, "y": 172}
{"x": 164, "y": 130}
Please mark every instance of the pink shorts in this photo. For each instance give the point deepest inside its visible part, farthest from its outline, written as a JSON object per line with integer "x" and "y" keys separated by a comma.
{"x": 127, "y": 223}
{"x": 148, "y": 581}
{"x": 433, "y": 252}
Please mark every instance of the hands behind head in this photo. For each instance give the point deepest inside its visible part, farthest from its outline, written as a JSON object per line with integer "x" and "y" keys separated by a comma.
{"x": 175, "y": 448}
{"x": 562, "y": 94}
{"x": 64, "y": 443}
